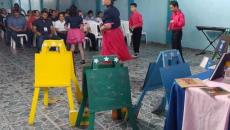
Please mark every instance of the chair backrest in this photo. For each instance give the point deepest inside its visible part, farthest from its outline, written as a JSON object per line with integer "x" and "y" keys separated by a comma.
{"x": 94, "y": 27}
{"x": 122, "y": 27}
{"x": 125, "y": 27}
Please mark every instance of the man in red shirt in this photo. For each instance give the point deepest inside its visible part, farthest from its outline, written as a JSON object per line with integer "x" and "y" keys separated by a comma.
{"x": 176, "y": 26}
{"x": 135, "y": 24}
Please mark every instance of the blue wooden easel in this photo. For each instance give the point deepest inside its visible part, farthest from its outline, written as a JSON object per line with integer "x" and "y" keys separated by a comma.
{"x": 153, "y": 79}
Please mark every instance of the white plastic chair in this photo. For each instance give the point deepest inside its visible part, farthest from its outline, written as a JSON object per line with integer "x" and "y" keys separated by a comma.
{"x": 146, "y": 38}
{"x": 128, "y": 34}
{"x": 87, "y": 40}
{"x": 21, "y": 36}
{"x": 126, "y": 31}
{"x": 94, "y": 29}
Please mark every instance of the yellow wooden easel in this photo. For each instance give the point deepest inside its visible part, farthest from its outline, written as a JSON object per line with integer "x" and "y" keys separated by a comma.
{"x": 54, "y": 68}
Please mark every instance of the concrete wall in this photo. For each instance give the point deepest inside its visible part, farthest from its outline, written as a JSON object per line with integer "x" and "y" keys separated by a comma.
{"x": 205, "y": 12}
{"x": 155, "y": 18}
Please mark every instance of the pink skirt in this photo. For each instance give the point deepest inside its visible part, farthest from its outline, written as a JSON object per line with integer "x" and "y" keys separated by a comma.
{"x": 75, "y": 36}
{"x": 114, "y": 44}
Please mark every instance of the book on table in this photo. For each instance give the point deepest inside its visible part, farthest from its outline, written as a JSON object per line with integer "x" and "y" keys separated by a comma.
{"x": 215, "y": 91}
{"x": 190, "y": 82}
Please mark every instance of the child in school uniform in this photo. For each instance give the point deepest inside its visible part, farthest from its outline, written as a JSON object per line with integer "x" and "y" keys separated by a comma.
{"x": 135, "y": 24}
{"x": 75, "y": 35}
{"x": 113, "y": 40}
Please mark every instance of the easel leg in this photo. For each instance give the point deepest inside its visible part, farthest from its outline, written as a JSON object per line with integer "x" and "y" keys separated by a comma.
{"x": 81, "y": 111}
{"x": 74, "y": 78}
{"x": 46, "y": 96}
{"x": 91, "y": 120}
{"x": 132, "y": 119}
{"x": 72, "y": 113}
{"x": 34, "y": 106}
{"x": 78, "y": 91}
{"x": 137, "y": 107}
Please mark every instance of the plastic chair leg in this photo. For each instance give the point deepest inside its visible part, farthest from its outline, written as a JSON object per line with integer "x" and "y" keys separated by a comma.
{"x": 91, "y": 120}
{"x": 46, "y": 97}
{"x": 34, "y": 106}
{"x": 21, "y": 40}
{"x": 73, "y": 113}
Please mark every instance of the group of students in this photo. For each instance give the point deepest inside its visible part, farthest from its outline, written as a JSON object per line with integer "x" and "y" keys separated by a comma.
{"x": 69, "y": 26}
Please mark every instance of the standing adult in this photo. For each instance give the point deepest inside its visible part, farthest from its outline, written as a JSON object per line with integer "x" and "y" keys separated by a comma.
{"x": 113, "y": 39}
{"x": 135, "y": 24}
{"x": 176, "y": 25}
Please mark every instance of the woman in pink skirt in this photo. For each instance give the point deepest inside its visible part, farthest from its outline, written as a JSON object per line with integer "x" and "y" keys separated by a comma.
{"x": 75, "y": 35}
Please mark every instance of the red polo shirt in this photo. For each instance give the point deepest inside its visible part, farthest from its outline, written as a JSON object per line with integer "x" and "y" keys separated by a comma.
{"x": 135, "y": 20}
{"x": 178, "y": 21}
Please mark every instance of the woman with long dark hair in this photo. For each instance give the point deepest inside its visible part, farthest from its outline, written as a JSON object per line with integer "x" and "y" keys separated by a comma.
{"x": 113, "y": 40}
{"x": 75, "y": 35}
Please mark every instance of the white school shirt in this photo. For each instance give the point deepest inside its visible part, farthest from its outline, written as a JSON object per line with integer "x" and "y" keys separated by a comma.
{"x": 60, "y": 25}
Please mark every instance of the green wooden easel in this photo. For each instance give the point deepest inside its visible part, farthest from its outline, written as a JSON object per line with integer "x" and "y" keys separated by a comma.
{"x": 106, "y": 86}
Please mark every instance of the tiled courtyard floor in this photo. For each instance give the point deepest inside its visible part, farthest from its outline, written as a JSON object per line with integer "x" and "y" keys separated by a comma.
{"x": 16, "y": 89}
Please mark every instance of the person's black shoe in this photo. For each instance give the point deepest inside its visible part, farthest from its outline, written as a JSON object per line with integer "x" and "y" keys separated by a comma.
{"x": 136, "y": 55}
{"x": 19, "y": 47}
{"x": 82, "y": 62}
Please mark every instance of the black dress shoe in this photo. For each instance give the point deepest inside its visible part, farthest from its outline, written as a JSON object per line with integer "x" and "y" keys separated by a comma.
{"x": 82, "y": 62}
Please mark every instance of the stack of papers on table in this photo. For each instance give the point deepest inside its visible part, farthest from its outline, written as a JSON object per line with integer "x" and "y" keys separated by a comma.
{"x": 215, "y": 91}
{"x": 190, "y": 82}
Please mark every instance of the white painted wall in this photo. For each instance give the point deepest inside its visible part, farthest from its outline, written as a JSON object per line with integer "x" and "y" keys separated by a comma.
{"x": 86, "y": 5}
{"x": 50, "y": 4}
{"x": 205, "y": 12}
{"x": 155, "y": 18}
{"x": 122, "y": 6}
{"x": 5, "y": 4}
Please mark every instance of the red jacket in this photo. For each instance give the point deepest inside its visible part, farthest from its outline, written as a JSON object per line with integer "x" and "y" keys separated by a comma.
{"x": 135, "y": 20}
{"x": 30, "y": 22}
{"x": 178, "y": 21}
